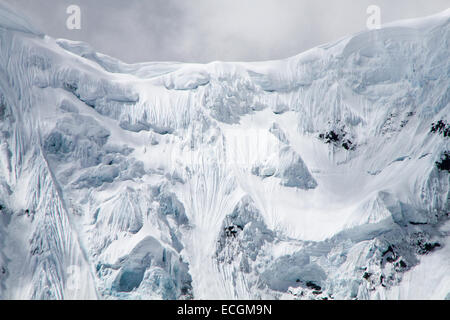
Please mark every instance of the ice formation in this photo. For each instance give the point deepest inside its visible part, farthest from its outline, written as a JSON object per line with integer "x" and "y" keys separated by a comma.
{"x": 315, "y": 177}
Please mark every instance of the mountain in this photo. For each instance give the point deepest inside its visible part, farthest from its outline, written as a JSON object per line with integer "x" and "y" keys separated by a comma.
{"x": 320, "y": 176}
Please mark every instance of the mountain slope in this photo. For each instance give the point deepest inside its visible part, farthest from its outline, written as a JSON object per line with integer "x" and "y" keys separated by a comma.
{"x": 312, "y": 177}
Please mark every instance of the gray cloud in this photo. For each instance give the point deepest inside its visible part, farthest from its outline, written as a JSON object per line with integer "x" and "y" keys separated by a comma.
{"x": 208, "y": 30}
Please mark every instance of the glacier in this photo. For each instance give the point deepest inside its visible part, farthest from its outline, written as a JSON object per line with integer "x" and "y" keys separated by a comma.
{"x": 320, "y": 176}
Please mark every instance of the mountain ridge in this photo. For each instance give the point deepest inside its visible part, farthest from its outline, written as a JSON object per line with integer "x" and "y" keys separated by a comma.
{"x": 311, "y": 177}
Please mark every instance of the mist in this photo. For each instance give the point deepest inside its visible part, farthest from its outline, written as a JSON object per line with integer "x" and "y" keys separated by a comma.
{"x": 210, "y": 30}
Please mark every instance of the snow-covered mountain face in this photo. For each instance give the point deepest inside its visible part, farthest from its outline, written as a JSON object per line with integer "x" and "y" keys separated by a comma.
{"x": 321, "y": 176}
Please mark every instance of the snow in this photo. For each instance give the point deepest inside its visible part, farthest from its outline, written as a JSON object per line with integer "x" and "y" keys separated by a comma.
{"x": 303, "y": 178}
{"x": 429, "y": 280}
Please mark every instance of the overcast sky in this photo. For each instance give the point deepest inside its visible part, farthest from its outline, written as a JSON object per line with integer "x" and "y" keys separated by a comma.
{"x": 209, "y": 30}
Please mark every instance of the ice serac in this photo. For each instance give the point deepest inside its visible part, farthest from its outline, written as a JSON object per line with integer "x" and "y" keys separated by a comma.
{"x": 320, "y": 176}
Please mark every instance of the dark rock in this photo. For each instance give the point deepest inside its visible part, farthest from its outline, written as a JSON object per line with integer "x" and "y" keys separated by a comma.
{"x": 444, "y": 163}
{"x": 314, "y": 286}
{"x": 441, "y": 127}
{"x": 426, "y": 247}
{"x": 367, "y": 275}
{"x": 316, "y": 292}
{"x": 338, "y": 138}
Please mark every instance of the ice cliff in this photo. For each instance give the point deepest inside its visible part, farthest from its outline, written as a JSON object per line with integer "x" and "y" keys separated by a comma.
{"x": 321, "y": 176}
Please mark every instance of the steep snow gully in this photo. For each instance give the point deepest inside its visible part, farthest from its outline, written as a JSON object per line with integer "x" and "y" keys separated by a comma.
{"x": 321, "y": 176}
